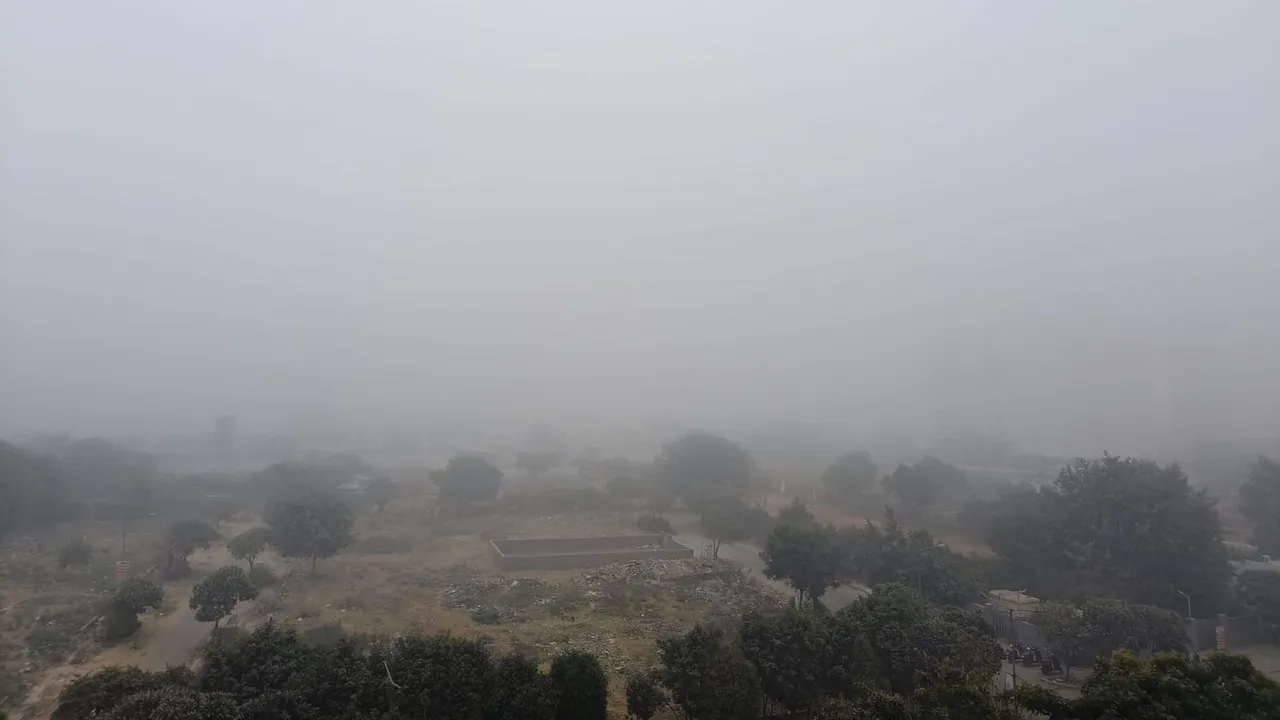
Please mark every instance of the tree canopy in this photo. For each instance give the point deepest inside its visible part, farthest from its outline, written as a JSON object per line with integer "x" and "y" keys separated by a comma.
{"x": 248, "y": 545}
{"x": 581, "y": 688}
{"x": 468, "y": 479}
{"x": 920, "y": 485}
{"x": 701, "y": 469}
{"x": 803, "y": 553}
{"x": 1165, "y": 687}
{"x": 133, "y": 597}
{"x": 875, "y": 555}
{"x": 33, "y": 489}
{"x": 317, "y": 526}
{"x": 183, "y": 538}
{"x": 725, "y": 523}
{"x": 1260, "y": 503}
{"x": 851, "y": 475}
{"x": 1123, "y": 528}
{"x": 216, "y": 596}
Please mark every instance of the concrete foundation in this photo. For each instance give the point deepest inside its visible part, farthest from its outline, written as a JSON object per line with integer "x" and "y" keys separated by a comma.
{"x": 561, "y": 553}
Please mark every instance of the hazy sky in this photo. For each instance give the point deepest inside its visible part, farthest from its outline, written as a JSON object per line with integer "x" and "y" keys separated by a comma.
{"x": 1053, "y": 220}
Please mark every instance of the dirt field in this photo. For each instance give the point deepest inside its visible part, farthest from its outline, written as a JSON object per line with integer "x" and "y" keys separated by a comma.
{"x": 410, "y": 569}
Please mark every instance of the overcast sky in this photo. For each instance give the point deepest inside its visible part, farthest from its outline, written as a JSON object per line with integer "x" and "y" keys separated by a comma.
{"x": 1056, "y": 221}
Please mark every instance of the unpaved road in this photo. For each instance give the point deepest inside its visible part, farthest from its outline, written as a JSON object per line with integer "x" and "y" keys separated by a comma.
{"x": 171, "y": 639}
{"x": 748, "y": 556}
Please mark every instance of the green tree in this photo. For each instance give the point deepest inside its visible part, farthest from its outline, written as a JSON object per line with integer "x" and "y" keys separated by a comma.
{"x": 468, "y": 479}
{"x": 703, "y": 469}
{"x": 1112, "y": 527}
{"x": 1066, "y": 630}
{"x": 520, "y": 691}
{"x": 133, "y": 597}
{"x": 33, "y": 489}
{"x": 248, "y": 545}
{"x": 803, "y": 554}
{"x": 1260, "y": 503}
{"x": 582, "y": 690}
{"x": 894, "y": 640}
{"x": 708, "y": 678}
{"x": 918, "y": 486}
{"x": 1260, "y": 591}
{"x": 725, "y": 523}
{"x": 440, "y": 676}
{"x": 183, "y": 538}
{"x": 1165, "y": 687}
{"x": 176, "y": 703}
{"x": 874, "y": 555}
{"x": 317, "y": 526}
{"x": 96, "y": 694}
{"x": 217, "y": 595}
{"x": 851, "y": 476}
{"x": 75, "y": 552}
{"x": 791, "y": 652}
{"x": 645, "y": 697}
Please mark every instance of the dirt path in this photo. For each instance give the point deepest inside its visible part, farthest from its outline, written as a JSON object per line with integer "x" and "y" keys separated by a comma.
{"x": 167, "y": 640}
{"x": 748, "y": 556}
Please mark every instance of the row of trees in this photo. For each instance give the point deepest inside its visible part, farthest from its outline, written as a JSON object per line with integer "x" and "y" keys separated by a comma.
{"x": 1079, "y": 632}
{"x": 888, "y": 655}
{"x": 890, "y": 642}
{"x": 271, "y": 673}
{"x": 812, "y": 557}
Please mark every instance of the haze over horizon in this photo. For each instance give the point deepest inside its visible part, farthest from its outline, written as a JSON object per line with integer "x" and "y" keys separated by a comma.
{"x": 1053, "y": 223}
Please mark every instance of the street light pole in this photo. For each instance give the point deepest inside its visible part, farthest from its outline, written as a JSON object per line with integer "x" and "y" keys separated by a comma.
{"x": 1191, "y": 626}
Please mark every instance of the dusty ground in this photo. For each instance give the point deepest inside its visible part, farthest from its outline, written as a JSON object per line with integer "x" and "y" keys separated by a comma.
{"x": 61, "y": 605}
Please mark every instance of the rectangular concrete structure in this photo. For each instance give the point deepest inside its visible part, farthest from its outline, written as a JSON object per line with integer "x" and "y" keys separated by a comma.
{"x": 566, "y": 553}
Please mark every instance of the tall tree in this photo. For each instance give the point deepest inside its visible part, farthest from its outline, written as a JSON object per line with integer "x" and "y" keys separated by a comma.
{"x": 1260, "y": 503}
{"x": 791, "y": 652}
{"x": 645, "y": 697}
{"x": 850, "y": 476}
{"x": 1260, "y": 591}
{"x": 725, "y": 523}
{"x": 183, "y": 538}
{"x": 248, "y": 545}
{"x": 1117, "y": 527}
{"x": 131, "y": 599}
{"x": 32, "y": 489}
{"x": 708, "y": 677}
{"x": 893, "y": 639}
{"x": 1066, "y": 630}
{"x": 439, "y": 676}
{"x": 702, "y": 469}
{"x": 317, "y": 526}
{"x": 918, "y": 486}
{"x": 520, "y": 691}
{"x": 216, "y": 596}
{"x": 802, "y": 553}
{"x": 468, "y": 479}
{"x": 581, "y": 688}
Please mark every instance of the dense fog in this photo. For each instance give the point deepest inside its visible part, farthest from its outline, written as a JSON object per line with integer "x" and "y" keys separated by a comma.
{"x": 1044, "y": 224}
